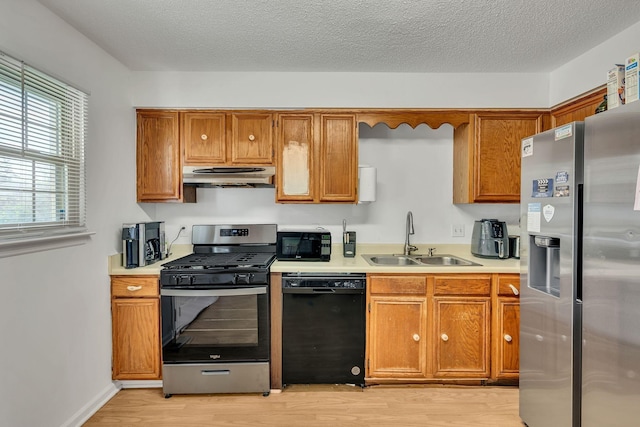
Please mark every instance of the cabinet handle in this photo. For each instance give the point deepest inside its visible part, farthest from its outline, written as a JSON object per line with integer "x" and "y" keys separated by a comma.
{"x": 444, "y": 337}
{"x": 252, "y": 137}
{"x": 514, "y": 289}
{"x": 204, "y": 137}
{"x": 508, "y": 338}
{"x": 133, "y": 288}
{"x": 416, "y": 337}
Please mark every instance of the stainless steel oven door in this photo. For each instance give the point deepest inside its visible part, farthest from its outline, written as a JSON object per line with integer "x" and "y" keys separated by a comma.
{"x": 215, "y": 325}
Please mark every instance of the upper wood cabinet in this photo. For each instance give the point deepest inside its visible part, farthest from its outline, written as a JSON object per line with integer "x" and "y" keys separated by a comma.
{"x": 296, "y": 180}
{"x": 577, "y": 109}
{"x": 317, "y": 159}
{"x": 486, "y": 155}
{"x": 219, "y": 138}
{"x": 203, "y": 135}
{"x": 251, "y": 141}
{"x": 158, "y": 156}
{"x": 338, "y": 158}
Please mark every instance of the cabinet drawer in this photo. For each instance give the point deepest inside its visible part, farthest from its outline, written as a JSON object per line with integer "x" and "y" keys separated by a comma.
{"x": 462, "y": 285}
{"x": 509, "y": 285}
{"x": 134, "y": 286}
{"x": 404, "y": 285}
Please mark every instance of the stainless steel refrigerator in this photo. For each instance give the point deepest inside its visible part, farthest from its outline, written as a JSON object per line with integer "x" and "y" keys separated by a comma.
{"x": 551, "y": 183}
{"x": 580, "y": 273}
{"x": 611, "y": 269}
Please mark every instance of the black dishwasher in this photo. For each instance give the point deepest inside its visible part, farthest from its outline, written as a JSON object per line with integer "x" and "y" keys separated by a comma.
{"x": 323, "y": 328}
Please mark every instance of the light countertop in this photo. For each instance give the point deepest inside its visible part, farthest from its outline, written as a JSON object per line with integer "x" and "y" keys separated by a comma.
{"x": 357, "y": 264}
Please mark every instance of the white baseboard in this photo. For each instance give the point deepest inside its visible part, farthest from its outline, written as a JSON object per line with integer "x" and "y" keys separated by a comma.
{"x": 92, "y": 407}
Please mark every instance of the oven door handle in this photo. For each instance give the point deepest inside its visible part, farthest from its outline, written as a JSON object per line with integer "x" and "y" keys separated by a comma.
{"x": 213, "y": 292}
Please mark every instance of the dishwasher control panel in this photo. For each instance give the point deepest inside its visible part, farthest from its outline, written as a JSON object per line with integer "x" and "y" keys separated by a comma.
{"x": 332, "y": 281}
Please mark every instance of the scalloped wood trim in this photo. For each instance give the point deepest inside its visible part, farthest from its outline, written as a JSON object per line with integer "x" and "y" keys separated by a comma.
{"x": 432, "y": 118}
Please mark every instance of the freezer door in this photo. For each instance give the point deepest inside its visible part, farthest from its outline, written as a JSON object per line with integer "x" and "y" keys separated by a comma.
{"x": 549, "y": 311}
{"x": 611, "y": 278}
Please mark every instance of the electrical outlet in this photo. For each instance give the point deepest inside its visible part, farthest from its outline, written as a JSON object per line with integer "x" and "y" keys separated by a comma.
{"x": 457, "y": 230}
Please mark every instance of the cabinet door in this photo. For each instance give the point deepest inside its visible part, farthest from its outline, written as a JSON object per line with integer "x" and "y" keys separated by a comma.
{"x": 486, "y": 155}
{"x": 338, "y": 158}
{"x": 397, "y": 337}
{"x": 159, "y": 175}
{"x": 251, "y": 138}
{"x": 461, "y": 339}
{"x": 204, "y": 137}
{"x": 136, "y": 338}
{"x": 507, "y": 337}
{"x": 497, "y": 156}
{"x": 295, "y": 165}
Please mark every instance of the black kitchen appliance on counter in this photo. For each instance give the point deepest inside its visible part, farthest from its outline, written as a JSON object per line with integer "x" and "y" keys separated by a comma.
{"x": 215, "y": 312}
{"x": 142, "y": 243}
{"x": 304, "y": 245}
{"x": 323, "y": 328}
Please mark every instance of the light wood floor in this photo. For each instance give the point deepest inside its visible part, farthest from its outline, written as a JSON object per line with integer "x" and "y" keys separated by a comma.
{"x": 318, "y": 406}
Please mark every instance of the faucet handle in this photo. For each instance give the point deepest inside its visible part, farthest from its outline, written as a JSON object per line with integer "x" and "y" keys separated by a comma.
{"x": 430, "y": 251}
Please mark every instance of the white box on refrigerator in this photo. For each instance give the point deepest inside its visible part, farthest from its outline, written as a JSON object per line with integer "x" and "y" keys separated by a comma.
{"x": 615, "y": 86}
{"x": 631, "y": 78}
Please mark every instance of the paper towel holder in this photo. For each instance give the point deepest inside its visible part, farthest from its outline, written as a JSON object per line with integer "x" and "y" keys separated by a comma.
{"x": 366, "y": 184}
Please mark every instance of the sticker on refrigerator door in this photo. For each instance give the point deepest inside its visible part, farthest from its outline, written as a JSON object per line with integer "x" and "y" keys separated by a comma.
{"x": 564, "y": 131}
{"x": 527, "y": 147}
{"x": 542, "y": 188}
{"x": 561, "y": 188}
{"x": 561, "y": 191}
{"x": 533, "y": 217}
{"x": 547, "y": 212}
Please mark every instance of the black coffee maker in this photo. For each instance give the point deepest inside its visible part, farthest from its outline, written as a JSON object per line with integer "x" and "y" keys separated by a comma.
{"x": 142, "y": 243}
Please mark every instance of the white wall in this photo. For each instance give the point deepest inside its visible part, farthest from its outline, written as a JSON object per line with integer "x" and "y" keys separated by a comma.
{"x": 589, "y": 70}
{"x": 297, "y": 90}
{"x": 55, "y": 360}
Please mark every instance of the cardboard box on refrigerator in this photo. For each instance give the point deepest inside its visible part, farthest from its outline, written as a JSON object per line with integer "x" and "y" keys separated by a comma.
{"x": 631, "y": 78}
{"x": 615, "y": 86}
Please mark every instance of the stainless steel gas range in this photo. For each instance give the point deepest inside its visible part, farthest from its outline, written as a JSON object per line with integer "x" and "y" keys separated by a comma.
{"x": 215, "y": 312}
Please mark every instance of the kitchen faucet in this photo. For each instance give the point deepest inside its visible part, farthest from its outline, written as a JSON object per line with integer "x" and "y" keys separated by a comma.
{"x": 408, "y": 247}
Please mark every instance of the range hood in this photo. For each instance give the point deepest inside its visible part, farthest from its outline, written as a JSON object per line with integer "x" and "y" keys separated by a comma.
{"x": 229, "y": 176}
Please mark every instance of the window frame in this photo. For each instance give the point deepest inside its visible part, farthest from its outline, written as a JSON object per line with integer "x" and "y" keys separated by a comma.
{"x": 44, "y": 137}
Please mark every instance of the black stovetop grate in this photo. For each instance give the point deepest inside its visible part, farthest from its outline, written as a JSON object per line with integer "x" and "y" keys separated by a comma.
{"x": 222, "y": 260}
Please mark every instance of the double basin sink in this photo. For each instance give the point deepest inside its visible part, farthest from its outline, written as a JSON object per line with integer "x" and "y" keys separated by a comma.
{"x": 443, "y": 260}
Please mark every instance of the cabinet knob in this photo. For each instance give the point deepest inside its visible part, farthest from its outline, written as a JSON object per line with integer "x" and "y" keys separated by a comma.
{"x": 252, "y": 137}
{"x": 416, "y": 337}
{"x": 204, "y": 137}
{"x": 508, "y": 338}
{"x": 133, "y": 288}
{"x": 444, "y": 337}
{"x": 514, "y": 289}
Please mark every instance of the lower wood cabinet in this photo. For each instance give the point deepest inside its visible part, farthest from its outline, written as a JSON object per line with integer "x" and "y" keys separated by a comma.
{"x": 442, "y": 327}
{"x": 397, "y": 325}
{"x": 135, "y": 313}
{"x": 506, "y": 331}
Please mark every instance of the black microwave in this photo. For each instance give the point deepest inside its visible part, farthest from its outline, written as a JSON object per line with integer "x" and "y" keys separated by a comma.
{"x": 313, "y": 245}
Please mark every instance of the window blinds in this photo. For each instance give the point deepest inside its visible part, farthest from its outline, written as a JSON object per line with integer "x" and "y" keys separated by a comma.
{"x": 43, "y": 126}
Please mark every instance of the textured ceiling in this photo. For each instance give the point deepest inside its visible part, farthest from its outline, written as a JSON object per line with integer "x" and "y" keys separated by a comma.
{"x": 347, "y": 35}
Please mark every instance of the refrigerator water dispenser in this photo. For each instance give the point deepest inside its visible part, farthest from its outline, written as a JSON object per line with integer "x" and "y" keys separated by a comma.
{"x": 544, "y": 264}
